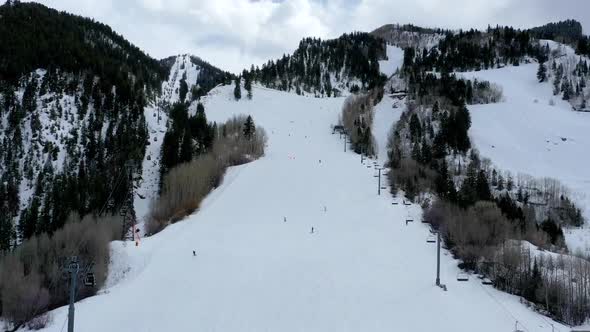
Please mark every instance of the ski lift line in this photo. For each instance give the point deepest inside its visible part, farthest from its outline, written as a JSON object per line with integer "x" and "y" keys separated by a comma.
{"x": 503, "y": 306}
{"x": 117, "y": 183}
{"x": 551, "y": 324}
{"x": 64, "y": 324}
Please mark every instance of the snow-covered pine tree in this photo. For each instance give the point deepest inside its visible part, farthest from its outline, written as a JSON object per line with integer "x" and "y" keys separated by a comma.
{"x": 237, "y": 90}
{"x": 249, "y": 128}
{"x": 542, "y": 72}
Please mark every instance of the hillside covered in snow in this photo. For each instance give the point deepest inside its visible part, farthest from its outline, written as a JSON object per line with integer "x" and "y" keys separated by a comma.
{"x": 328, "y": 248}
{"x": 198, "y": 199}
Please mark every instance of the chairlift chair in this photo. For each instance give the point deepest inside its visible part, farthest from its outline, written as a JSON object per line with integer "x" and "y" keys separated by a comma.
{"x": 462, "y": 276}
{"x": 486, "y": 281}
{"x": 89, "y": 279}
{"x": 431, "y": 239}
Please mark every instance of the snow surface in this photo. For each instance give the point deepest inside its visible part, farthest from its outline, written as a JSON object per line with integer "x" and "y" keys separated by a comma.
{"x": 363, "y": 268}
{"x": 150, "y": 178}
{"x": 395, "y": 60}
{"x": 526, "y": 134}
{"x": 156, "y": 120}
{"x": 182, "y": 66}
{"x": 385, "y": 117}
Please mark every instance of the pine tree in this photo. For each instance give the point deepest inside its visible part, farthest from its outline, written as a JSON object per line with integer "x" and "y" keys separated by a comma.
{"x": 6, "y": 227}
{"x": 494, "y": 178}
{"x": 426, "y": 152}
{"x": 509, "y": 183}
{"x": 500, "y": 183}
{"x": 469, "y": 192}
{"x": 248, "y": 85}
{"x": 542, "y": 72}
{"x": 566, "y": 90}
{"x": 415, "y": 127}
{"x": 435, "y": 109}
{"x": 249, "y": 128}
{"x": 169, "y": 152}
{"x": 463, "y": 123}
{"x": 186, "y": 148}
{"x": 483, "y": 188}
{"x": 237, "y": 90}
{"x": 519, "y": 196}
{"x": 28, "y": 221}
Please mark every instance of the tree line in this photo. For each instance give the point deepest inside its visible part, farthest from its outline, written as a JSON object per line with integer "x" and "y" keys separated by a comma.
{"x": 32, "y": 279}
{"x": 350, "y": 61}
{"x": 478, "y": 209}
{"x": 185, "y": 185}
{"x": 105, "y": 131}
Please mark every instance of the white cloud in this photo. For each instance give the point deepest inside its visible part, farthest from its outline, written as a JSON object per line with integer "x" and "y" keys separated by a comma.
{"x": 233, "y": 34}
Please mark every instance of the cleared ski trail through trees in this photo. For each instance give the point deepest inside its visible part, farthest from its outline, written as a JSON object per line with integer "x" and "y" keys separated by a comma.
{"x": 362, "y": 269}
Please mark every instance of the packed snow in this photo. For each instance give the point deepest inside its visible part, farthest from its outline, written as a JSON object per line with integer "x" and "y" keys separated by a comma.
{"x": 526, "y": 134}
{"x": 259, "y": 266}
{"x": 148, "y": 186}
{"x": 387, "y": 113}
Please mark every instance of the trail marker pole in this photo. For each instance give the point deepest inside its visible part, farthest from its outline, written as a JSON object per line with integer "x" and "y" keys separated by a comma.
{"x": 438, "y": 258}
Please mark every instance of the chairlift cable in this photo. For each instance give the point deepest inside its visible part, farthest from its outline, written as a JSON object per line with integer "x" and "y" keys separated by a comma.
{"x": 64, "y": 324}
{"x": 503, "y": 307}
{"x": 117, "y": 183}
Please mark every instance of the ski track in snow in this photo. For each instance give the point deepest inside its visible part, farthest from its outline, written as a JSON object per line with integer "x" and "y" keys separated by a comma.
{"x": 362, "y": 269}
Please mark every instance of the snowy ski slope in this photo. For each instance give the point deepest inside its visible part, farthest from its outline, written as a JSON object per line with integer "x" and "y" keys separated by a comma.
{"x": 526, "y": 134}
{"x": 395, "y": 60}
{"x": 362, "y": 269}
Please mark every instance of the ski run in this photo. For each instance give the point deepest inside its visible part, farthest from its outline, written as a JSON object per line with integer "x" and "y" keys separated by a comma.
{"x": 257, "y": 265}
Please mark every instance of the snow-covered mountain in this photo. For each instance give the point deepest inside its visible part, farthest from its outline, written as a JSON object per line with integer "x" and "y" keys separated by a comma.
{"x": 72, "y": 116}
{"x": 190, "y": 79}
{"x": 404, "y": 36}
{"x": 70, "y": 122}
{"x": 309, "y": 237}
{"x": 326, "y": 68}
{"x": 362, "y": 267}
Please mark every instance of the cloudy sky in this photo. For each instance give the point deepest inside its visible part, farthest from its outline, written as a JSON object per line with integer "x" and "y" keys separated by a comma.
{"x": 232, "y": 34}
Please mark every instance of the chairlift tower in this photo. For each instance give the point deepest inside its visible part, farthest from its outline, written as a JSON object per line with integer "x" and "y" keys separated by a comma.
{"x": 345, "y": 140}
{"x": 438, "y": 258}
{"x": 73, "y": 268}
